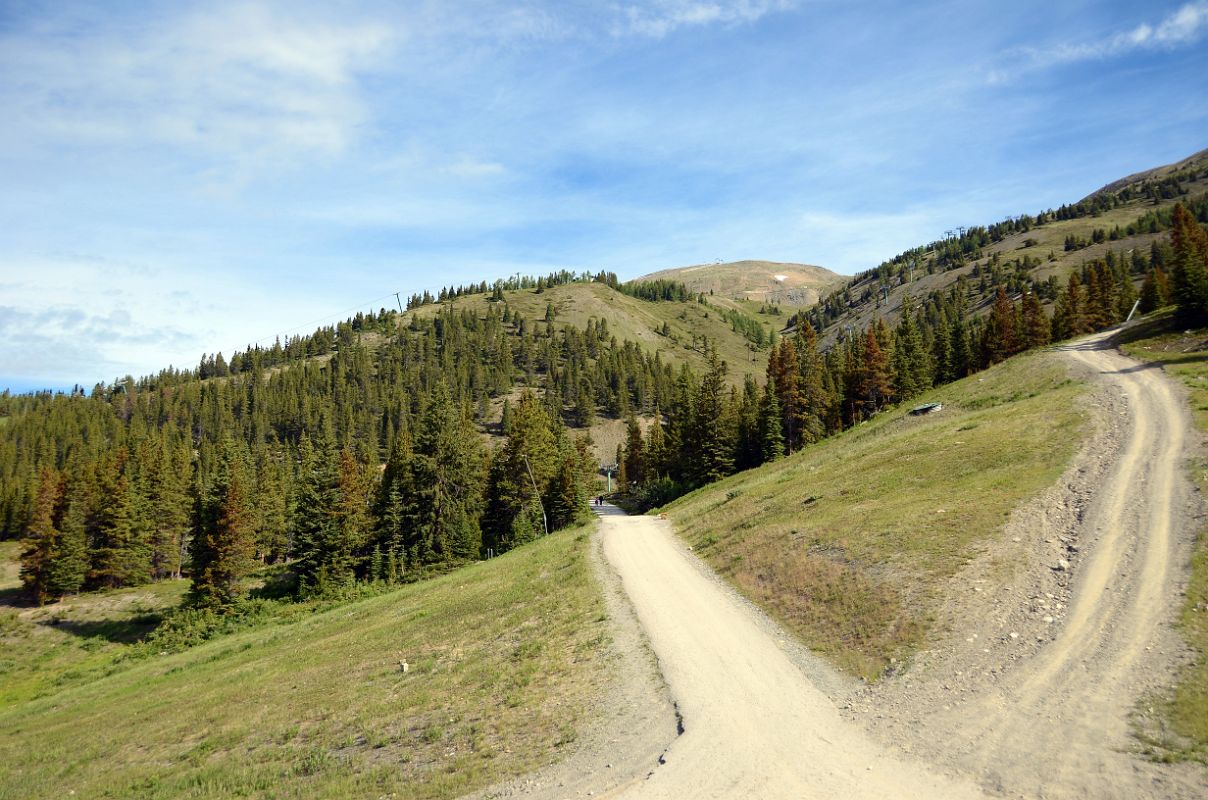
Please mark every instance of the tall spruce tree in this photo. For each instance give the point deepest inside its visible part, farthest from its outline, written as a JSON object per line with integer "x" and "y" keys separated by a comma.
{"x": 1000, "y": 337}
{"x": 521, "y": 467}
{"x": 224, "y": 548}
{"x": 38, "y": 546}
{"x": 316, "y": 527}
{"x": 714, "y": 424}
{"x": 771, "y": 435}
{"x": 448, "y": 475}
{"x": 69, "y": 568}
{"x": 1036, "y": 326}
{"x": 1189, "y": 270}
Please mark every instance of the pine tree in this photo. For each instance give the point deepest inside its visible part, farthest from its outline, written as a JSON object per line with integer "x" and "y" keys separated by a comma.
{"x": 169, "y": 504}
{"x": 656, "y": 448}
{"x": 393, "y": 504}
{"x": 634, "y": 456}
{"x": 1126, "y": 296}
{"x": 520, "y": 467}
{"x": 941, "y": 352}
{"x": 1154, "y": 291}
{"x": 771, "y": 437}
{"x": 448, "y": 482}
{"x": 567, "y": 493}
{"x": 962, "y": 349}
{"x": 873, "y": 386}
{"x": 1100, "y": 305}
{"x": 315, "y": 521}
{"x": 353, "y": 518}
{"x": 1000, "y": 338}
{"x": 816, "y": 398}
{"x": 912, "y": 370}
{"x": 272, "y": 511}
{"x": 225, "y": 548}
{"x": 714, "y": 421}
{"x": 1069, "y": 318}
{"x": 784, "y": 372}
{"x": 38, "y": 546}
{"x": 70, "y": 566}
{"x": 1036, "y": 326}
{"x": 124, "y": 559}
{"x": 1189, "y": 273}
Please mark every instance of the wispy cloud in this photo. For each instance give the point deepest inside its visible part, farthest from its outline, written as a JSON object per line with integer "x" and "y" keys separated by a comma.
{"x": 78, "y": 342}
{"x": 249, "y": 80}
{"x": 662, "y": 17}
{"x": 1185, "y": 26}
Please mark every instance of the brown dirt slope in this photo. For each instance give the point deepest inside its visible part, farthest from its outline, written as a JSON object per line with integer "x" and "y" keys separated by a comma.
{"x": 761, "y": 281}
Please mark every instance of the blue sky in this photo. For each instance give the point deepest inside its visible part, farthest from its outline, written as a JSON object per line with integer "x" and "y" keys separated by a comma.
{"x": 183, "y": 178}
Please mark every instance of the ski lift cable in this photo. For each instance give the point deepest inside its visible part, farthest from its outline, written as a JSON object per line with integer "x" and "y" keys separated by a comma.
{"x": 338, "y": 314}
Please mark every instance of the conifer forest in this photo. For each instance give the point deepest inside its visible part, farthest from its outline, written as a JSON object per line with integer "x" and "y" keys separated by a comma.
{"x": 371, "y": 451}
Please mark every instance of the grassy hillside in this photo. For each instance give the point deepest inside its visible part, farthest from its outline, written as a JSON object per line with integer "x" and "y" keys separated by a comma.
{"x": 848, "y": 541}
{"x": 505, "y": 658}
{"x": 1184, "y": 355}
{"x": 789, "y": 285}
{"x": 865, "y": 301}
{"x": 641, "y": 321}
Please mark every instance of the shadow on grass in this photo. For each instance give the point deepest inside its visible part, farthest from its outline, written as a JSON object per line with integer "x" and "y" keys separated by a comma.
{"x": 1145, "y": 328}
{"x": 280, "y": 583}
{"x": 123, "y": 631}
{"x": 14, "y": 598}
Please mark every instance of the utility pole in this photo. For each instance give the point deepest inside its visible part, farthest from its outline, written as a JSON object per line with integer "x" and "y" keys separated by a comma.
{"x": 544, "y": 519}
{"x": 399, "y": 301}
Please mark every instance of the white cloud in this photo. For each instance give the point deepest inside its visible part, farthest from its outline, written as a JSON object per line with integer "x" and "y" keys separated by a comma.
{"x": 661, "y": 17}
{"x": 252, "y": 82}
{"x": 1185, "y": 26}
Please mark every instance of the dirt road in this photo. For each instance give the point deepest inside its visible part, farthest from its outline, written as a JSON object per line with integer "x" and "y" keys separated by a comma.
{"x": 1050, "y": 719}
{"x": 1056, "y": 724}
{"x": 754, "y": 725}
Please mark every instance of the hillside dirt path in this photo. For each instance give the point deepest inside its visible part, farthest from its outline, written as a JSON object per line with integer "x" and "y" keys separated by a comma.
{"x": 1029, "y": 688}
{"x": 753, "y": 724}
{"x": 1034, "y": 693}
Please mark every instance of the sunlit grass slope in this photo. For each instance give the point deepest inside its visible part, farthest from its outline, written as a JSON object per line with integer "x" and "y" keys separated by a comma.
{"x": 1184, "y": 356}
{"x": 641, "y": 321}
{"x": 504, "y": 659}
{"x": 849, "y": 542}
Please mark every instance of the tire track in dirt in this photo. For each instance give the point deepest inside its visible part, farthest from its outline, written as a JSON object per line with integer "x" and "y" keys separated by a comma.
{"x": 1056, "y": 723}
{"x": 753, "y": 724}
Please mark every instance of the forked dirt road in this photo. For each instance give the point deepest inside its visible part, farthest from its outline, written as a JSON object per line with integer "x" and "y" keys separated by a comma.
{"x": 754, "y": 725}
{"x": 1055, "y": 725}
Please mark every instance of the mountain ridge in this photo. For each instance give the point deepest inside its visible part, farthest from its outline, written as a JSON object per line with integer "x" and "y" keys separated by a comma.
{"x": 780, "y": 282}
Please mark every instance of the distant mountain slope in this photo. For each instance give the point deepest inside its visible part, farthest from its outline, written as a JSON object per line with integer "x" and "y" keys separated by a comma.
{"x": 798, "y": 285}
{"x": 1039, "y": 251}
{"x": 677, "y": 331}
{"x": 1157, "y": 173}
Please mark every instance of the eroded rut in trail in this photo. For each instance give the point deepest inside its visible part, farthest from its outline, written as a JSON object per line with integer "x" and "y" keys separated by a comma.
{"x": 1043, "y": 716}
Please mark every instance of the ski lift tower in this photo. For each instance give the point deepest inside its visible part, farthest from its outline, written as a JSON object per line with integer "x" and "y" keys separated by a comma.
{"x": 609, "y": 469}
